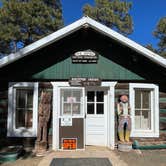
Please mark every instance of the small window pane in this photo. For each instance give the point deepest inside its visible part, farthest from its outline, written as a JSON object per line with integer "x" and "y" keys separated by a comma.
{"x": 20, "y": 98}
{"x": 137, "y": 99}
{"x": 28, "y": 118}
{"x": 100, "y": 108}
{"x": 66, "y": 94}
{"x": 20, "y": 118}
{"x": 76, "y": 109}
{"x": 30, "y": 99}
{"x": 91, "y": 96}
{"x": 90, "y": 108}
{"x": 146, "y": 119}
{"x": 137, "y": 119}
{"x": 100, "y": 96}
{"x": 67, "y": 109}
{"x": 146, "y": 99}
{"x": 77, "y": 94}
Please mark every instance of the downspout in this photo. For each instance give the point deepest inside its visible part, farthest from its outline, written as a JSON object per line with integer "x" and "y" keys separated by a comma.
{"x": 147, "y": 147}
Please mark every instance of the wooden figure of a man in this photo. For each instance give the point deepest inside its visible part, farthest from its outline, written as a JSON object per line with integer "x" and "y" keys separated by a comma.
{"x": 44, "y": 115}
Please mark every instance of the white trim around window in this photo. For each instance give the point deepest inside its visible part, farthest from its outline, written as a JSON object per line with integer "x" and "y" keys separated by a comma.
{"x": 154, "y": 100}
{"x": 21, "y": 131}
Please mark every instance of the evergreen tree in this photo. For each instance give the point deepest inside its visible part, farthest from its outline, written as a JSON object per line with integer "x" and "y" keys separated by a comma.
{"x": 160, "y": 34}
{"x": 27, "y": 21}
{"x": 112, "y": 13}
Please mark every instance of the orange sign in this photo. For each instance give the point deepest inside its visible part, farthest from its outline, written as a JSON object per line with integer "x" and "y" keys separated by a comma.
{"x": 69, "y": 144}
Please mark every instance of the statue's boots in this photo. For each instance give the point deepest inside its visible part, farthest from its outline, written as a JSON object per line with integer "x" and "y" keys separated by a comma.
{"x": 127, "y": 136}
{"x": 121, "y": 136}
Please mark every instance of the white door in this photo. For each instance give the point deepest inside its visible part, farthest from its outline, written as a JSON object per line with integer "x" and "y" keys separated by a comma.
{"x": 96, "y": 113}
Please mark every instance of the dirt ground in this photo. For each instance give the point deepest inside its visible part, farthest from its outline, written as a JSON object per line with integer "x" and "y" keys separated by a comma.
{"x": 27, "y": 160}
{"x": 133, "y": 158}
{"x": 143, "y": 157}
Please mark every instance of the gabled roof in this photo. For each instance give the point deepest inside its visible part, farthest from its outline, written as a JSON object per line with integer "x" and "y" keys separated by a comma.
{"x": 84, "y": 21}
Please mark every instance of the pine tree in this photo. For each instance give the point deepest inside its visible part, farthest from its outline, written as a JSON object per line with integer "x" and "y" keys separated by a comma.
{"x": 160, "y": 34}
{"x": 112, "y": 13}
{"x": 27, "y": 21}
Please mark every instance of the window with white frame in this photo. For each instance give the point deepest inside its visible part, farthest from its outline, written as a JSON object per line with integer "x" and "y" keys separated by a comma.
{"x": 144, "y": 110}
{"x": 95, "y": 102}
{"x": 71, "y": 102}
{"x": 22, "y": 109}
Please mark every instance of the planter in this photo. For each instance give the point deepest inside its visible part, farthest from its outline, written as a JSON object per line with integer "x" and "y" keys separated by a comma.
{"x": 10, "y": 153}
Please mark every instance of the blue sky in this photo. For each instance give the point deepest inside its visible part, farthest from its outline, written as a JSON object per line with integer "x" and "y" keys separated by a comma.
{"x": 145, "y": 13}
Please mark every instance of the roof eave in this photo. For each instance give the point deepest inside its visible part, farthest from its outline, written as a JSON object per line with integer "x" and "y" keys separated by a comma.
{"x": 74, "y": 27}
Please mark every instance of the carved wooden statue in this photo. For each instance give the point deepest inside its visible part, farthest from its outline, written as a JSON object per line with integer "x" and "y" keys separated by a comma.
{"x": 43, "y": 118}
{"x": 124, "y": 126}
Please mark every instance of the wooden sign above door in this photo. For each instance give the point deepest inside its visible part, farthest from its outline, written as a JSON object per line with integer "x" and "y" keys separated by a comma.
{"x": 78, "y": 81}
{"x": 85, "y": 56}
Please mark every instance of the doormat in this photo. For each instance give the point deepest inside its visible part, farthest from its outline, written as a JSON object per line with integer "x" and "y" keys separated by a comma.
{"x": 80, "y": 162}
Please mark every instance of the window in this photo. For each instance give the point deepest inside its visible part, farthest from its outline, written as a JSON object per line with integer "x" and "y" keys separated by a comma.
{"x": 71, "y": 102}
{"x": 24, "y": 108}
{"x": 144, "y": 110}
{"x": 95, "y": 102}
{"x": 23, "y": 101}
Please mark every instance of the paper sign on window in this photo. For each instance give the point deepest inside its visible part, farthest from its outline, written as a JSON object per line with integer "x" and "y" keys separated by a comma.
{"x": 71, "y": 99}
{"x": 66, "y": 121}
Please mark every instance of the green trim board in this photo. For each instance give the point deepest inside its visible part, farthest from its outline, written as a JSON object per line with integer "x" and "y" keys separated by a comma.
{"x": 162, "y": 100}
{"x": 163, "y": 119}
{"x": 104, "y": 69}
{"x": 162, "y": 110}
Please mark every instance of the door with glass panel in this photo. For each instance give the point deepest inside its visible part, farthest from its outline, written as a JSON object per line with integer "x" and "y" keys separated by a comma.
{"x": 71, "y": 116}
{"x": 96, "y": 121}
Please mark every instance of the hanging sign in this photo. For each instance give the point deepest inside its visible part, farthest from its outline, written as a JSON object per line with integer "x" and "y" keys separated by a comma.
{"x": 77, "y": 81}
{"x": 69, "y": 143}
{"x": 87, "y": 56}
{"x": 66, "y": 121}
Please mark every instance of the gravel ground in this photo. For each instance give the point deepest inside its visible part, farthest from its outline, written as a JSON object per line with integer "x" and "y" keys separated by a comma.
{"x": 143, "y": 157}
{"x": 133, "y": 158}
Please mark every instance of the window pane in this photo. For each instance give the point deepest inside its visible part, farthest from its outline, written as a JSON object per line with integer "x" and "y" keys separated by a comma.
{"x": 29, "y": 99}
{"x": 67, "y": 109}
{"x": 76, "y": 109}
{"x": 146, "y": 99}
{"x": 100, "y": 96}
{"x": 28, "y": 118}
{"x": 137, "y": 99}
{"x": 146, "y": 119}
{"x": 66, "y": 94}
{"x": 90, "y": 96}
{"x": 20, "y": 118}
{"x": 100, "y": 108}
{"x": 137, "y": 119}
{"x": 77, "y": 94}
{"x": 20, "y": 98}
{"x": 90, "y": 108}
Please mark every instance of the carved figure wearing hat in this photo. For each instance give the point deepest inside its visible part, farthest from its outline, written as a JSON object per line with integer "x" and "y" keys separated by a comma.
{"x": 124, "y": 126}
